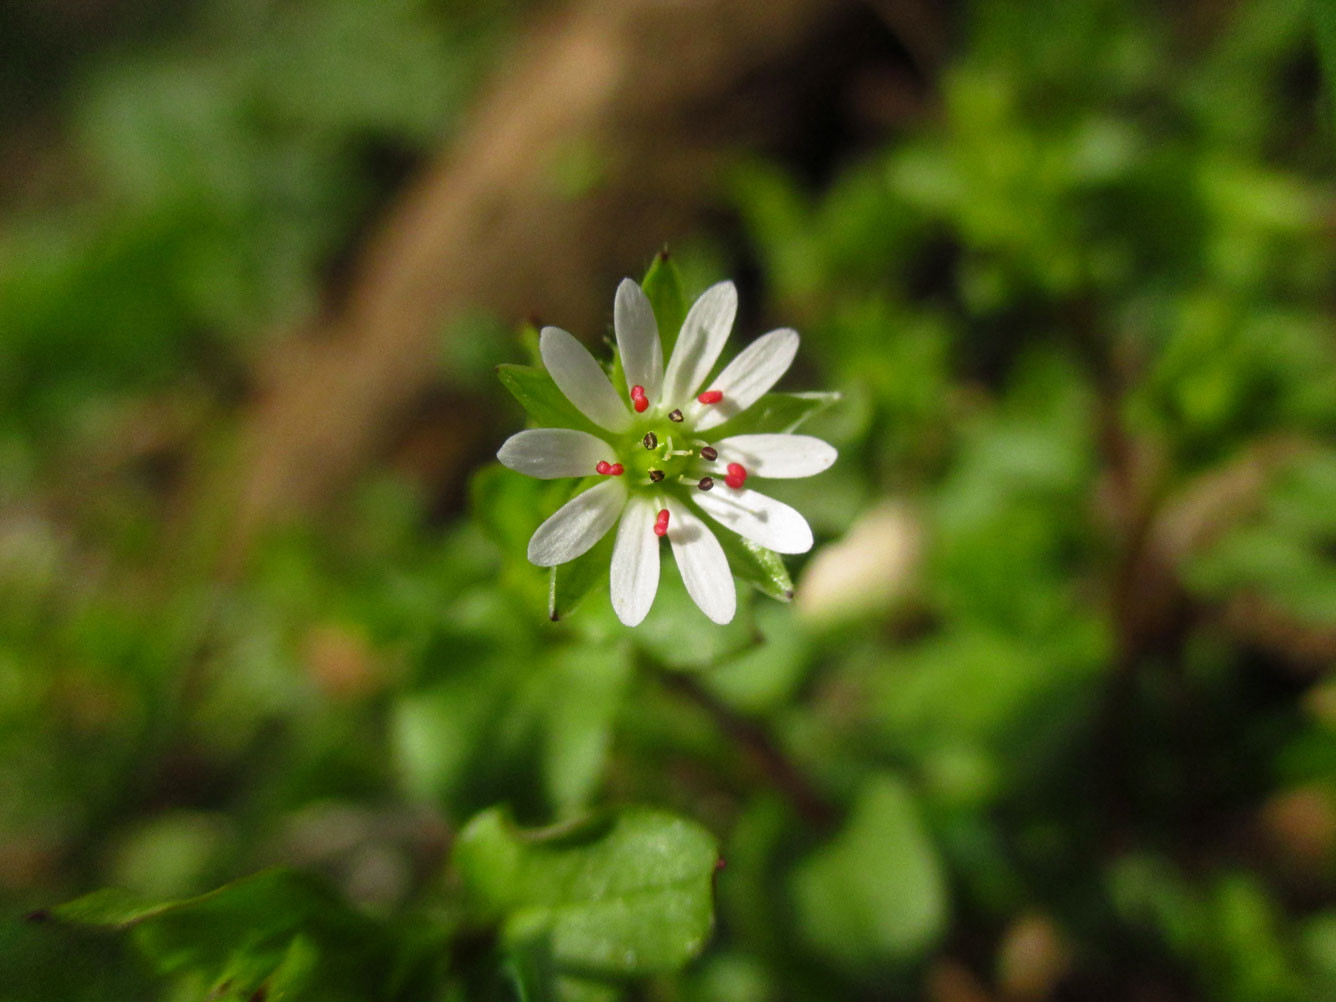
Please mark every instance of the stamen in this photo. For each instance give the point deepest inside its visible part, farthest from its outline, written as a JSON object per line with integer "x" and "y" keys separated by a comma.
{"x": 737, "y": 475}
{"x": 650, "y": 440}
{"x": 616, "y": 470}
{"x": 603, "y": 467}
{"x": 656, "y": 475}
{"x": 705, "y": 483}
{"x": 711, "y": 396}
{"x": 675, "y": 416}
{"x": 661, "y": 523}
{"x": 639, "y": 400}
{"x": 709, "y": 452}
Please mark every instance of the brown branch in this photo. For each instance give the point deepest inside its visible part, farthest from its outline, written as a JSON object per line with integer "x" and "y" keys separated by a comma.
{"x": 758, "y": 744}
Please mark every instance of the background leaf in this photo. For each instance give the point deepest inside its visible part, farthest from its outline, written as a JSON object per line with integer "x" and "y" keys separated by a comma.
{"x": 276, "y": 929}
{"x": 876, "y": 893}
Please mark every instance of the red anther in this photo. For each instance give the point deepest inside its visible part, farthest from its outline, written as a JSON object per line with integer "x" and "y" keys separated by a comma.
{"x": 617, "y": 470}
{"x": 661, "y": 523}
{"x": 641, "y": 404}
{"x": 711, "y": 396}
{"x": 637, "y": 392}
{"x": 737, "y": 475}
{"x": 603, "y": 467}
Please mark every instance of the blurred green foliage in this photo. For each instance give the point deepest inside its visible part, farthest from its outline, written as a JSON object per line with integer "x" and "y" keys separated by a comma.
{"x": 225, "y": 171}
{"x": 1080, "y": 315}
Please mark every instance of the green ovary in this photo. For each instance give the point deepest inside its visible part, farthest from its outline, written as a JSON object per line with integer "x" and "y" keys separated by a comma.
{"x": 639, "y": 461}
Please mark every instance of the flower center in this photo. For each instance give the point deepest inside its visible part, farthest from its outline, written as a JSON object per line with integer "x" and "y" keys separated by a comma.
{"x": 663, "y": 453}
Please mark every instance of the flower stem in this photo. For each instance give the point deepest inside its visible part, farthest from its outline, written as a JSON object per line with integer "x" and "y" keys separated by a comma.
{"x": 760, "y": 746}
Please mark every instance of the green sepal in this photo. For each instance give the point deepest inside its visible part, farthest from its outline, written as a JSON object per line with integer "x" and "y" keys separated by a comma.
{"x": 570, "y": 583}
{"x": 663, "y": 287}
{"x": 530, "y": 338}
{"x": 763, "y": 569}
{"x": 617, "y": 372}
{"x": 546, "y": 405}
{"x": 775, "y": 413}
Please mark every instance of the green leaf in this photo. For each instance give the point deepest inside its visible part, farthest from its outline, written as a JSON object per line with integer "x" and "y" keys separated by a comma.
{"x": 776, "y": 413}
{"x": 763, "y": 678}
{"x": 875, "y": 894}
{"x": 622, "y": 895}
{"x": 532, "y": 726}
{"x": 536, "y": 979}
{"x": 454, "y": 740}
{"x": 663, "y": 287}
{"x": 585, "y": 692}
{"x": 676, "y": 634}
{"x": 505, "y": 505}
{"x": 546, "y": 405}
{"x": 757, "y": 566}
{"x": 278, "y": 926}
{"x": 270, "y": 899}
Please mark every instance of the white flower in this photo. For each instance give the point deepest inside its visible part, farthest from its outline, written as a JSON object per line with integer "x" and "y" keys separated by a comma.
{"x": 662, "y": 469}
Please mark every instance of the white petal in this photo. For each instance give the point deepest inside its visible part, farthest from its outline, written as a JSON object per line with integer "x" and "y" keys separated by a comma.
{"x": 702, "y": 563}
{"x": 635, "y": 562}
{"x": 777, "y": 456}
{"x": 763, "y": 520}
{"x": 698, "y": 346}
{"x": 638, "y": 339}
{"x": 578, "y": 524}
{"x": 548, "y": 453}
{"x": 578, "y": 376}
{"x": 748, "y": 377}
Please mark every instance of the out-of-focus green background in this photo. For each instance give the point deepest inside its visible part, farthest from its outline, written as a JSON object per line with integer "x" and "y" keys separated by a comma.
{"x": 1052, "y": 716}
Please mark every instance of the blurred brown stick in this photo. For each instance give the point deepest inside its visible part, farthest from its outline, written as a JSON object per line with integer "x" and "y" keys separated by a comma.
{"x": 648, "y": 97}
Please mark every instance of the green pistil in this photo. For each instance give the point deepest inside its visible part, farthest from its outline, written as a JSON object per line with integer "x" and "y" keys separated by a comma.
{"x": 665, "y": 446}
